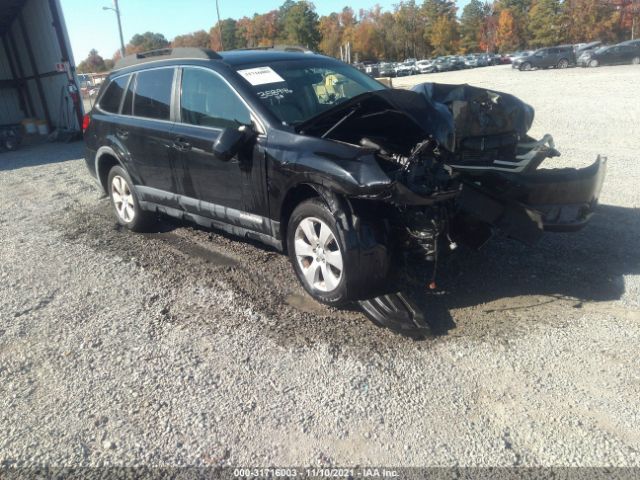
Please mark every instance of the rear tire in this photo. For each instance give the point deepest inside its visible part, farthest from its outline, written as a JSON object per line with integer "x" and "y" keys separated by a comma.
{"x": 635, "y": 61}
{"x": 125, "y": 202}
{"x": 563, "y": 63}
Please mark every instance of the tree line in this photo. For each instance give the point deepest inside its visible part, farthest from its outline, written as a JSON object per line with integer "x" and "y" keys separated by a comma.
{"x": 410, "y": 29}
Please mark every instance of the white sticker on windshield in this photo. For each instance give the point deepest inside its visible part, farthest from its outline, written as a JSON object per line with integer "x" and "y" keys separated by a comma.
{"x": 261, "y": 75}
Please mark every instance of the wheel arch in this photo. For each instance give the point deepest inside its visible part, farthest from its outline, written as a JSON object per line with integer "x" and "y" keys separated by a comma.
{"x": 106, "y": 159}
{"x": 338, "y": 204}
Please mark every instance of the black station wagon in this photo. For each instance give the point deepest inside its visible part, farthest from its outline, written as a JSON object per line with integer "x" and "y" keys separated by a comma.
{"x": 317, "y": 159}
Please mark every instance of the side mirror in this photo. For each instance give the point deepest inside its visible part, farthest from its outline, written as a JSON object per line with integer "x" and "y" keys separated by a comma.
{"x": 230, "y": 141}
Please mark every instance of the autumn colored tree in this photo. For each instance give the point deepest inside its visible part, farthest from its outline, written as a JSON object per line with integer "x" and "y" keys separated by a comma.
{"x": 444, "y": 36}
{"x": 507, "y": 38}
{"x": 431, "y": 12}
{"x": 265, "y": 28}
{"x": 414, "y": 28}
{"x": 588, "y": 20}
{"x": 489, "y": 28}
{"x": 196, "y": 39}
{"x": 330, "y": 34}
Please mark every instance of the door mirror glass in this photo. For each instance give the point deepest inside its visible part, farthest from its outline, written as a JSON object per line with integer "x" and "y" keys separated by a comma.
{"x": 230, "y": 141}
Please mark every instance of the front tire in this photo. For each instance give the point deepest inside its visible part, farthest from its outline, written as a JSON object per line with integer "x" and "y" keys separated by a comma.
{"x": 336, "y": 262}
{"x": 593, "y": 63}
{"x": 526, "y": 66}
{"x": 317, "y": 252}
{"x": 635, "y": 61}
{"x": 125, "y": 201}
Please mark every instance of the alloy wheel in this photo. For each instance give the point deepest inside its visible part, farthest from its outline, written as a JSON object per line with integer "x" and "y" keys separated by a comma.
{"x": 636, "y": 61}
{"x": 563, "y": 63}
{"x": 318, "y": 254}
{"x": 122, "y": 199}
{"x": 593, "y": 63}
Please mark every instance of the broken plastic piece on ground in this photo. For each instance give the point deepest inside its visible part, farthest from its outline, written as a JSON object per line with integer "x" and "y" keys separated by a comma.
{"x": 397, "y": 312}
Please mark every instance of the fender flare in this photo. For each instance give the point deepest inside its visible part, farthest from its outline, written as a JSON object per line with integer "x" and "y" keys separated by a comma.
{"x": 106, "y": 150}
{"x": 339, "y": 205}
{"x": 369, "y": 252}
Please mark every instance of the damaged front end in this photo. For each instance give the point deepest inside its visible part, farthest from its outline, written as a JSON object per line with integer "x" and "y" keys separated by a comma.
{"x": 461, "y": 165}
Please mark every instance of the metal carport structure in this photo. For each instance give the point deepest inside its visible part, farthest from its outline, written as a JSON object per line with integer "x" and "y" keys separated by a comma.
{"x": 37, "y": 70}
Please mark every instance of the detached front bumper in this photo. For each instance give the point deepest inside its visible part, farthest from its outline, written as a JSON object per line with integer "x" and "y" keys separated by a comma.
{"x": 523, "y": 206}
{"x": 566, "y": 198}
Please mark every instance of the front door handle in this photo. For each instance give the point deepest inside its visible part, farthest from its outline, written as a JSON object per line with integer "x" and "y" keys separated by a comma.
{"x": 181, "y": 145}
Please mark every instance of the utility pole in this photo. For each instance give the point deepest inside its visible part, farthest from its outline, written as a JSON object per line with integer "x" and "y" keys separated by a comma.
{"x": 117, "y": 10}
{"x": 635, "y": 10}
{"x": 219, "y": 25}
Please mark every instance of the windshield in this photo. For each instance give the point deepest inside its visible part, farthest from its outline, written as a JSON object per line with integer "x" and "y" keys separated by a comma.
{"x": 295, "y": 91}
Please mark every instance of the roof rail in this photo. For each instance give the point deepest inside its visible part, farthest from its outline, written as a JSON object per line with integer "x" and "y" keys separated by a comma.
{"x": 282, "y": 48}
{"x": 166, "y": 54}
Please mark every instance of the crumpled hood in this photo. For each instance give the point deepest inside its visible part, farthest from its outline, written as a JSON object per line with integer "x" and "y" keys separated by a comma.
{"x": 402, "y": 117}
{"x": 447, "y": 113}
{"x": 478, "y": 112}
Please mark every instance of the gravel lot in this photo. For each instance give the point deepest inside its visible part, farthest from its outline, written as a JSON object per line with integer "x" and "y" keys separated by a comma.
{"x": 186, "y": 347}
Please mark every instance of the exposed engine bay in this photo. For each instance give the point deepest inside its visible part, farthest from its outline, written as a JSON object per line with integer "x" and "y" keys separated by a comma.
{"x": 461, "y": 164}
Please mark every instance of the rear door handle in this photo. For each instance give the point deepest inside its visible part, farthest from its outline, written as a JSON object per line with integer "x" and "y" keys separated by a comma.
{"x": 123, "y": 134}
{"x": 181, "y": 145}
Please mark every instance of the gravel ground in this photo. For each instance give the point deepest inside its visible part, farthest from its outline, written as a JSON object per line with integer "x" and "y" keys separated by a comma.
{"x": 186, "y": 347}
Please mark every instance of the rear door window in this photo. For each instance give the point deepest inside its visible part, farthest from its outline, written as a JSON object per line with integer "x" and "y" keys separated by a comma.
{"x": 207, "y": 100}
{"x": 110, "y": 101}
{"x": 152, "y": 97}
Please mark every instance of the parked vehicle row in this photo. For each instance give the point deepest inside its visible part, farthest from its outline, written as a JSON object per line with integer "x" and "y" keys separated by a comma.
{"x": 593, "y": 54}
{"x": 411, "y": 66}
{"x": 622, "y": 53}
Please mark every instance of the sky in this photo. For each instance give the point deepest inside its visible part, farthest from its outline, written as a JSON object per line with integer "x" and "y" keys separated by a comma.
{"x": 90, "y": 26}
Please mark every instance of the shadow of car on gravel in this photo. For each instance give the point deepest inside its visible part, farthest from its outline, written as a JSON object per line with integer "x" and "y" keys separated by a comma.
{"x": 588, "y": 266}
{"x": 571, "y": 268}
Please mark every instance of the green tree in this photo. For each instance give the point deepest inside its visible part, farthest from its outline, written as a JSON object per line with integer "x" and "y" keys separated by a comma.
{"x": 93, "y": 63}
{"x": 471, "y": 23}
{"x": 230, "y": 41}
{"x": 300, "y": 24}
{"x": 146, "y": 41}
{"x": 545, "y": 23}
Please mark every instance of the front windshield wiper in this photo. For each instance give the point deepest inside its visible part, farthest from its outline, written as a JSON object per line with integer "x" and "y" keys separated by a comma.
{"x": 353, "y": 110}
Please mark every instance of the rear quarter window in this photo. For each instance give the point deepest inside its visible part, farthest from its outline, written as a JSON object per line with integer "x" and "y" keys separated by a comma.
{"x": 110, "y": 101}
{"x": 152, "y": 97}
